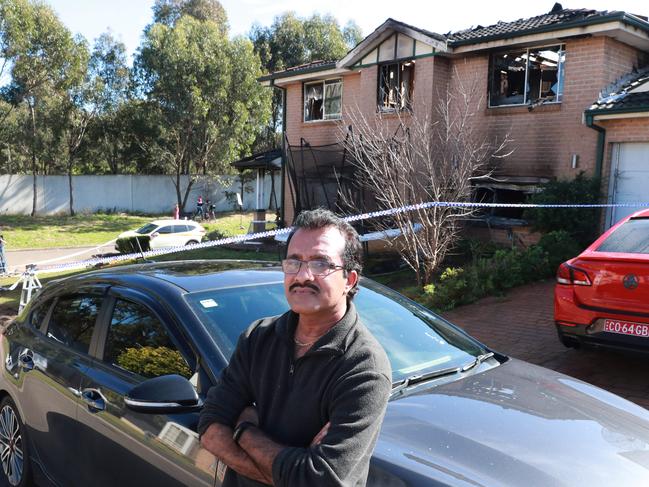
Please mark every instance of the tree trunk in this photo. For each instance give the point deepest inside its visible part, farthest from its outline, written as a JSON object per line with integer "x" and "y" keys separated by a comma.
{"x": 34, "y": 164}
{"x": 70, "y": 160}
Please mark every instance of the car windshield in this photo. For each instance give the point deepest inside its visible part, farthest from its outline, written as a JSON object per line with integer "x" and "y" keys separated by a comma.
{"x": 148, "y": 228}
{"x": 415, "y": 340}
{"x": 631, "y": 237}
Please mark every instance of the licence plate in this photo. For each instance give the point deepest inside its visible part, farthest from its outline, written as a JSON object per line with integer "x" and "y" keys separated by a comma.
{"x": 626, "y": 328}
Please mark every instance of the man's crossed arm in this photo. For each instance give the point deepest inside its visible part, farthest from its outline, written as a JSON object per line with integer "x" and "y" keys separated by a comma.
{"x": 255, "y": 452}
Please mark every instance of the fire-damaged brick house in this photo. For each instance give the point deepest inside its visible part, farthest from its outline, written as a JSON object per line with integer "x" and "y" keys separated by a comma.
{"x": 570, "y": 87}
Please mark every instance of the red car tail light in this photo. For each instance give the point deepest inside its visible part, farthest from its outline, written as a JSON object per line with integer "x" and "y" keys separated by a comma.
{"x": 567, "y": 274}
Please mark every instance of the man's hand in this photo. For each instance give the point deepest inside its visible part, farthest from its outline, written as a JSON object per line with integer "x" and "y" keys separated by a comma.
{"x": 217, "y": 439}
{"x": 250, "y": 415}
{"x": 321, "y": 434}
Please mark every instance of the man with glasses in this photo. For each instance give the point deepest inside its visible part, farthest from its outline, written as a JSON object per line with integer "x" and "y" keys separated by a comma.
{"x": 302, "y": 400}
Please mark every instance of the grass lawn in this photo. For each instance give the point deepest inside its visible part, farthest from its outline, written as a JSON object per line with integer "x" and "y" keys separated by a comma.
{"x": 25, "y": 232}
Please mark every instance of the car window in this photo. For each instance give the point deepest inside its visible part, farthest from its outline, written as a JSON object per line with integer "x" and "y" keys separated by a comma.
{"x": 38, "y": 314}
{"x": 148, "y": 228}
{"x": 180, "y": 228}
{"x": 167, "y": 229}
{"x": 139, "y": 343}
{"x": 73, "y": 320}
{"x": 631, "y": 237}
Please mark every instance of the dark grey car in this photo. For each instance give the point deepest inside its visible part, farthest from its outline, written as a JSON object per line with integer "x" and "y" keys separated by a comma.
{"x": 104, "y": 373}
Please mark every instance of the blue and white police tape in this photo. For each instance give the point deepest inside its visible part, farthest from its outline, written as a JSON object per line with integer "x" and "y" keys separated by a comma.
{"x": 364, "y": 216}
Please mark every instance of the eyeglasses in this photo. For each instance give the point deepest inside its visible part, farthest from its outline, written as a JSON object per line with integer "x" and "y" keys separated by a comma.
{"x": 316, "y": 267}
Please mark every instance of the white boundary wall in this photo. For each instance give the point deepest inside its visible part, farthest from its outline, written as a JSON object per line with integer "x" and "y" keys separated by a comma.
{"x": 129, "y": 193}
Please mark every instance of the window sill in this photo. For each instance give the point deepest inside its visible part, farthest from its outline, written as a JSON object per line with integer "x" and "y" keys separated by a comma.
{"x": 393, "y": 113}
{"x": 521, "y": 109}
{"x": 320, "y": 122}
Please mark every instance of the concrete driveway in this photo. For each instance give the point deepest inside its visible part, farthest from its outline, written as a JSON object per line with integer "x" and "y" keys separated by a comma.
{"x": 521, "y": 325}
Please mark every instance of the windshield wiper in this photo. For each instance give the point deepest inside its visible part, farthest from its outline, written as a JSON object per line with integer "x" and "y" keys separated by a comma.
{"x": 477, "y": 361}
{"x": 415, "y": 379}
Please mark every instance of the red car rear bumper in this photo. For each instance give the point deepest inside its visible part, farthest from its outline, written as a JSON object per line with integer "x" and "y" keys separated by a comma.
{"x": 578, "y": 324}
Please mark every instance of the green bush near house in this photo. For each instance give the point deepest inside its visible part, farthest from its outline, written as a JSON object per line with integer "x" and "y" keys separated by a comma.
{"x": 494, "y": 275}
{"x": 580, "y": 223}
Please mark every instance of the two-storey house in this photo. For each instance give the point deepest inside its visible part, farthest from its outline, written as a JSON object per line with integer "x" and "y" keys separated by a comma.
{"x": 569, "y": 87}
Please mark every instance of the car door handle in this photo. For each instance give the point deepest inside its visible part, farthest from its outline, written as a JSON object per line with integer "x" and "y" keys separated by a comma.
{"x": 26, "y": 362}
{"x": 94, "y": 399}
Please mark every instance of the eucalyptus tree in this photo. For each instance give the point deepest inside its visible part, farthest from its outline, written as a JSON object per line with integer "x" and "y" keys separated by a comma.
{"x": 109, "y": 77}
{"x": 203, "y": 89}
{"x": 43, "y": 59}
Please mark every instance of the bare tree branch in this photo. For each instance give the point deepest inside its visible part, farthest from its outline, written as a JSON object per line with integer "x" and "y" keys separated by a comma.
{"x": 430, "y": 155}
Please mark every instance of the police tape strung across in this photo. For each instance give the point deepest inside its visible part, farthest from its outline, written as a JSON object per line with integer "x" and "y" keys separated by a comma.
{"x": 271, "y": 233}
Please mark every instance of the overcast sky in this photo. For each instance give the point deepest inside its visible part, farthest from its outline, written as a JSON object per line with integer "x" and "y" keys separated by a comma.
{"x": 127, "y": 18}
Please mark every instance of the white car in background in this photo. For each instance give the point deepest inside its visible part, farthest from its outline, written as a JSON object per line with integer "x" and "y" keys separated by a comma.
{"x": 160, "y": 234}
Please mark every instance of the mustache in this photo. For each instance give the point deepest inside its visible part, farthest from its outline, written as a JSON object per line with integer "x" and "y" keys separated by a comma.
{"x": 306, "y": 284}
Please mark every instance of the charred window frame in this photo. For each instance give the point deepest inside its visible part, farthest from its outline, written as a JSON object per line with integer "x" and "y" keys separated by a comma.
{"x": 323, "y": 100}
{"x": 395, "y": 86}
{"x": 527, "y": 76}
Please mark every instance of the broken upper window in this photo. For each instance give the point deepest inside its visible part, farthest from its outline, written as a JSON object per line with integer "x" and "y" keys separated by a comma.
{"x": 323, "y": 100}
{"x": 526, "y": 76}
{"x": 395, "y": 85}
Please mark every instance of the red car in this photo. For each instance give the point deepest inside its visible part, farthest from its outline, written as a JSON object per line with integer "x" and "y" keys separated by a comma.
{"x": 602, "y": 295}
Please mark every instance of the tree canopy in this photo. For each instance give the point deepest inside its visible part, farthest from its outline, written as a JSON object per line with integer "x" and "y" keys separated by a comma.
{"x": 189, "y": 104}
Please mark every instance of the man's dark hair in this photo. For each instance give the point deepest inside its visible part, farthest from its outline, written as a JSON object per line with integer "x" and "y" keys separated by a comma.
{"x": 352, "y": 256}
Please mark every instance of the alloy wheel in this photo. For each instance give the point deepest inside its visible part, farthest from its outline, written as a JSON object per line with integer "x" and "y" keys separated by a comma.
{"x": 11, "y": 445}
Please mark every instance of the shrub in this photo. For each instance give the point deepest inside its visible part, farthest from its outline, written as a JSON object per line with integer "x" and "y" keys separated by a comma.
{"x": 450, "y": 291}
{"x": 560, "y": 246}
{"x": 131, "y": 245}
{"x": 216, "y": 235}
{"x": 580, "y": 223}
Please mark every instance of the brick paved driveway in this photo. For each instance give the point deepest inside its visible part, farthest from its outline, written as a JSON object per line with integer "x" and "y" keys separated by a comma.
{"x": 521, "y": 325}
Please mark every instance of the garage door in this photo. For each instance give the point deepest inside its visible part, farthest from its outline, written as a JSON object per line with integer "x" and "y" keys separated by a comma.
{"x": 629, "y": 178}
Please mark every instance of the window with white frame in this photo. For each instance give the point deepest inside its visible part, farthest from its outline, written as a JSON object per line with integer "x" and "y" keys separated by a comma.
{"x": 527, "y": 76}
{"x": 323, "y": 100}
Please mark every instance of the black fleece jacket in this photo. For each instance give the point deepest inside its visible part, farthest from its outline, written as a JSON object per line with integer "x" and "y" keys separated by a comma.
{"x": 345, "y": 379}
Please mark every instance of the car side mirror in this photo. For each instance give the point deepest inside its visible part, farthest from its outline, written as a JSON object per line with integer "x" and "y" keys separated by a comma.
{"x": 167, "y": 394}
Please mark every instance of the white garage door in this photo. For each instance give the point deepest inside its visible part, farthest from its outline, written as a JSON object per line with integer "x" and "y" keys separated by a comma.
{"x": 629, "y": 178}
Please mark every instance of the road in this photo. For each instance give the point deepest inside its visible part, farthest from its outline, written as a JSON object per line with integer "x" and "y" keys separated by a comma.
{"x": 18, "y": 259}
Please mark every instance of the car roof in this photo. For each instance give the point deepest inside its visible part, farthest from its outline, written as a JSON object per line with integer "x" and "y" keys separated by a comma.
{"x": 189, "y": 275}
{"x": 174, "y": 222}
{"x": 644, "y": 213}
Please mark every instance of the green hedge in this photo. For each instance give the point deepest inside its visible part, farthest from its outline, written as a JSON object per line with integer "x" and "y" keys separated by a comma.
{"x": 505, "y": 269}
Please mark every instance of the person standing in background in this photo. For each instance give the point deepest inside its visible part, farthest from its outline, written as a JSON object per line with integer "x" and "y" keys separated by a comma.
{"x": 3, "y": 259}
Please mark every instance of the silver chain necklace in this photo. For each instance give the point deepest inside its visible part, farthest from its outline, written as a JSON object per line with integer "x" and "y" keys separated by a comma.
{"x": 300, "y": 344}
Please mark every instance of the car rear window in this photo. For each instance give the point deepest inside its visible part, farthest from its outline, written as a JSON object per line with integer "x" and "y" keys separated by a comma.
{"x": 632, "y": 238}
{"x": 148, "y": 228}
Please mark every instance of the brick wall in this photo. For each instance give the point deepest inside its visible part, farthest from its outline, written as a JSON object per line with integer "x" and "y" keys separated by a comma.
{"x": 545, "y": 138}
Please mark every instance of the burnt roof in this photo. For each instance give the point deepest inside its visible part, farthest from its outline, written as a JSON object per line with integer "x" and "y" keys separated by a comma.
{"x": 554, "y": 19}
{"x": 621, "y": 98}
